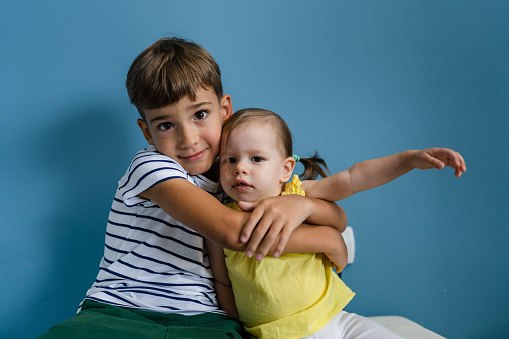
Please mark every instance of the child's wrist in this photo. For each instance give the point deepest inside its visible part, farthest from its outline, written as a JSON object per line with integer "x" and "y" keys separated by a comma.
{"x": 310, "y": 206}
{"x": 409, "y": 159}
{"x": 332, "y": 237}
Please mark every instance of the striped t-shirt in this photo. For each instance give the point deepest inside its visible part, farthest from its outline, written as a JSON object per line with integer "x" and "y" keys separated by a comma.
{"x": 151, "y": 261}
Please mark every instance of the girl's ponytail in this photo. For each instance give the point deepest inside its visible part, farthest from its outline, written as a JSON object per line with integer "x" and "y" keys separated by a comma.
{"x": 313, "y": 167}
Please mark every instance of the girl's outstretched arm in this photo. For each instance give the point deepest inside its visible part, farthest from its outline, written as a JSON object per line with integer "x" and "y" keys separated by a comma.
{"x": 376, "y": 172}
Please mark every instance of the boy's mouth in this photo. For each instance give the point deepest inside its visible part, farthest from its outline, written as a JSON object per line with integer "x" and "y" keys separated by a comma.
{"x": 195, "y": 156}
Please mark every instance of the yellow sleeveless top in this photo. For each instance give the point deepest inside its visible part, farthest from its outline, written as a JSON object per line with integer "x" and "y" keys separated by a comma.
{"x": 292, "y": 296}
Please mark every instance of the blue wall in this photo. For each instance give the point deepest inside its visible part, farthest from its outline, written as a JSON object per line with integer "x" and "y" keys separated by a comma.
{"x": 354, "y": 79}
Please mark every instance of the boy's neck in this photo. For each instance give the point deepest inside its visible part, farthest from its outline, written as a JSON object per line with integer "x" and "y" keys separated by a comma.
{"x": 213, "y": 172}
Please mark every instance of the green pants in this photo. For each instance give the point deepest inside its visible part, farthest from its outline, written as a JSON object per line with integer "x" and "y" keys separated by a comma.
{"x": 98, "y": 321}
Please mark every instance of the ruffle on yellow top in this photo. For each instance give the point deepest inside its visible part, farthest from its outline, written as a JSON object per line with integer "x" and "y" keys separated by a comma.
{"x": 293, "y": 187}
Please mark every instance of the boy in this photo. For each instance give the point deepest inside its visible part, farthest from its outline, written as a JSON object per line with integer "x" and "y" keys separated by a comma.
{"x": 154, "y": 278}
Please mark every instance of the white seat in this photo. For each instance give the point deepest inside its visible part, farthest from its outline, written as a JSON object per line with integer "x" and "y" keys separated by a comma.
{"x": 406, "y": 328}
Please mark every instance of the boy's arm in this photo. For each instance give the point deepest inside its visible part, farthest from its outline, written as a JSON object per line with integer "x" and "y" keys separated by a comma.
{"x": 201, "y": 212}
{"x": 323, "y": 239}
{"x": 222, "y": 283}
{"x": 339, "y": 256}
{"x": 264, "y": 228}
{"x": 324, "y": 213}
{"x": 330, "y": 214}
{"x": 372, "y": 173}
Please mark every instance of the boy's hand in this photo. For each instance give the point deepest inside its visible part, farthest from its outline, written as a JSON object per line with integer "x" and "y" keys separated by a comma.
{"x": 438, "y": 158}
{"x": 339, "y": 254}
{"x": 272, "y": 220}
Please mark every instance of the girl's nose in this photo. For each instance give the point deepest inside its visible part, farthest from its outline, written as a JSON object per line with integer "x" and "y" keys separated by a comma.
{"x": 239, "y": 168}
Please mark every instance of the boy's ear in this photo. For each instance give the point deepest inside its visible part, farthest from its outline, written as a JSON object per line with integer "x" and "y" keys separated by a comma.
{"x": 146, "y": 131}
{"x": 287, "y": 170}
{"x": 226, "y": 107}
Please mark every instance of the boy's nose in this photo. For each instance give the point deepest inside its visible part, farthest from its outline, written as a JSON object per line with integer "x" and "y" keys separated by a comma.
{"x": 188, "y": 138}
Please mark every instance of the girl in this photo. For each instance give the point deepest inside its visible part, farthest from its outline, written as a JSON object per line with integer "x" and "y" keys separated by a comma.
{"x": 295, "y": 295}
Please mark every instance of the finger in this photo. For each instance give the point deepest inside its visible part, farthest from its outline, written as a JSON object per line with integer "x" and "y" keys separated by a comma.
{"x": 455, "y": 160}
{"x": 457, "y": 168}
{"x": 283, "y": 240}
{"x": 248, "y": 206}
{"x": 250, "y": 225}
{"x": 257, "y": 235}
{"x": 434, "y": 161}
{"x": 269, "y": 239}
{"x": 463, "y": 164}
{"x": 460, "y": 166}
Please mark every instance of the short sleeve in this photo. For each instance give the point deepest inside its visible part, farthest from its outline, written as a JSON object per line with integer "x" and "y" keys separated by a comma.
{"x": 147, "y": 169}
{"x": 293, "y": 187}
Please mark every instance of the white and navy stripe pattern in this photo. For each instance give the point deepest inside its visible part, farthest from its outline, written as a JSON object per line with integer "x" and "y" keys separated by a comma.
{"x": 151, "y": 261}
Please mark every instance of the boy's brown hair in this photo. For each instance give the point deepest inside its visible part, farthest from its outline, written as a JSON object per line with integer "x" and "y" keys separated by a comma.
{"x": 169, "y": 70}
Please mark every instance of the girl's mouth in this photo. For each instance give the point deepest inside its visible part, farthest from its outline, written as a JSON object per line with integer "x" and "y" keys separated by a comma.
{"x": 241, "y": 186}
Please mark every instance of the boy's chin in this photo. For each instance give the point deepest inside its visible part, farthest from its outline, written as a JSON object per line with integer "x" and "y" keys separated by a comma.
{"x": 193, "y": 171}
{"x": 208, "y": 171}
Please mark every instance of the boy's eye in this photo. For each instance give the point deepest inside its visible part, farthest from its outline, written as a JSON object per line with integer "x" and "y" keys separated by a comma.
{"x": 256, "y": 159}
{"x": 165, "y": 126}
{"x": 200, "y": 115}
{"x": 232, "y": 160}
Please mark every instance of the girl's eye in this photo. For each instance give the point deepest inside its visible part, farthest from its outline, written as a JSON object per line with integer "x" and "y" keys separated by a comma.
{"x": 232, "y": 160}
{"x": 256, "y": 159}
{"x": 200, "y": 115}
{"x": 166, "y": 126}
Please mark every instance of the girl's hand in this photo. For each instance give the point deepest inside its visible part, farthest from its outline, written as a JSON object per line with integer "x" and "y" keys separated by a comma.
{"x": 438, "y": 158}
{"x": 272, "y": 221}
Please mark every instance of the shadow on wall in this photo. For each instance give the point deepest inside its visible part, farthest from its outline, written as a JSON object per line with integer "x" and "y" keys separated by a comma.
{"x": 82, "y": 156}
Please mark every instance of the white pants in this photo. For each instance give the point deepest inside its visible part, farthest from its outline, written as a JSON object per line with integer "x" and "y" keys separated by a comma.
{"x": 350, "y": 325}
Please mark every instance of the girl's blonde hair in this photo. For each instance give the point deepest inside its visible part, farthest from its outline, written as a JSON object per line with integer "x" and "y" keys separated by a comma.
{"x": 313, "y": 166}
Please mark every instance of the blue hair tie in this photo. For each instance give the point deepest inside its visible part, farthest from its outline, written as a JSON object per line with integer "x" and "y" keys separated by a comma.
{"x": 296, "y": 157}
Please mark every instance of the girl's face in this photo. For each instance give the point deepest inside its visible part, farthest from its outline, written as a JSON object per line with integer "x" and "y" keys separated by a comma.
{"x": 252, "y": 167}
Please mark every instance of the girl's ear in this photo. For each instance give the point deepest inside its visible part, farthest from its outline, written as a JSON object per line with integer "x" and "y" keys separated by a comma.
{"x": 146, "y": 131}
{"x": 287, "y": 170}
{"x": 226, "y": 107}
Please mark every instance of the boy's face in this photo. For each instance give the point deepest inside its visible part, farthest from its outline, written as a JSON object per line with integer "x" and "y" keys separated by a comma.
{"x": 253, "y": 168}
{"x": 188, "y": 131}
